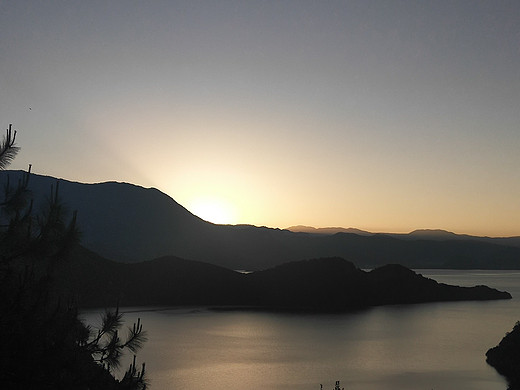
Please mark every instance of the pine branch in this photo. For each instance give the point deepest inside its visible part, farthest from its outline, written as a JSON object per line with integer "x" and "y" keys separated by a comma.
{"x": 136, "y": 337}
{"x": 8, "y": 149}
{"x": 110, "y": 322}
{"x": 134, "y": 379}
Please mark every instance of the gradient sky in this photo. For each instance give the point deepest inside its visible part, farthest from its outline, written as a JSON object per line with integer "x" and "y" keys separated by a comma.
{"x": 381, "y": 115}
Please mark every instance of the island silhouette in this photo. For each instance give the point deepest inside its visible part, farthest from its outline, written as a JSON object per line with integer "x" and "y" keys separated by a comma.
{"x": 325, "y": 284}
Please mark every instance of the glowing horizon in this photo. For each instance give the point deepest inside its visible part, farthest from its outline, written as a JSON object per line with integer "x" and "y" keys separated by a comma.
{"x": 214, "y": 210}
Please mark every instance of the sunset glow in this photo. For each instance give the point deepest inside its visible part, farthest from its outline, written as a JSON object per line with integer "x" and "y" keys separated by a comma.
{"x": 213, "y": 210}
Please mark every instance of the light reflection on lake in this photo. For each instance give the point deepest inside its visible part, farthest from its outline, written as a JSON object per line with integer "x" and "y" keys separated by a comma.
{"x": 426, "y": 346}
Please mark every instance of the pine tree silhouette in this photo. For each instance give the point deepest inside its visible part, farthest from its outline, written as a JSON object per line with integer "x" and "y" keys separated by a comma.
{"x": 43, "y": 343}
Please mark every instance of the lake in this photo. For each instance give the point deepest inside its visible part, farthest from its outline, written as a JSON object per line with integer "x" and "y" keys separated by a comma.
{"x": 424, "y": 346}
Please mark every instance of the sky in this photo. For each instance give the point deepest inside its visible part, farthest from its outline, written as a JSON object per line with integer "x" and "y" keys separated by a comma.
{"x": 387, "y": 116}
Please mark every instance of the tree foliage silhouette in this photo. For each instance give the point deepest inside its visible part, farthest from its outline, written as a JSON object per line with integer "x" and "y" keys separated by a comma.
{"x": 505, "y": 357}
{"x": 43, "y": 342}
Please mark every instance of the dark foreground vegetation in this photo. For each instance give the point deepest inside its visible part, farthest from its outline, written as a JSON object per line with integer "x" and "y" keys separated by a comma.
{"x": 43, "y": 343}
{"x": 505, "y": 357}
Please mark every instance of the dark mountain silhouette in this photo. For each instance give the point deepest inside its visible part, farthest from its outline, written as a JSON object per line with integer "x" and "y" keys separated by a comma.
{"x": 435, "y": 234}
{"x": 330, "y": 284}
{"x": 336, "y": 284}
{"x": 442, "y": 235}
{"x": 327, "y": 230}
{"x": 98, "y": 282}
{"x": 129, "y": 223}
{"x": 419, "y": 234}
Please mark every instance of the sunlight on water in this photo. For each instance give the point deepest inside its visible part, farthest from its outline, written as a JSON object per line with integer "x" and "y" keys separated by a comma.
{"x": 428, "y": 346}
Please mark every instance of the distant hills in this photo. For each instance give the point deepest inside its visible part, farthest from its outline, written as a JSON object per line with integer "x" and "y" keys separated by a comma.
{"x": 128, "y": 223}
{"x": 330, "y": 284}
{"x": 419, "y": 234}
{"x": 327, "y": 230}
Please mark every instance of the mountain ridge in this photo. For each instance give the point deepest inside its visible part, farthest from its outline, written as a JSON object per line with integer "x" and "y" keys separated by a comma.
{"x": 326, "y": 230}
{"x": 129, "y": 223}
{"x": 326, "y": 284}
{"x": 429, "y": 234}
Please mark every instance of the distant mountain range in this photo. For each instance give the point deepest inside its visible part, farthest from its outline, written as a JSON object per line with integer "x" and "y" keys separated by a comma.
{"x": 327, "y": 230}
{"x": 128, "y": 223}
{"x": 330, "y": 284}
{"x": 419, "y": 234}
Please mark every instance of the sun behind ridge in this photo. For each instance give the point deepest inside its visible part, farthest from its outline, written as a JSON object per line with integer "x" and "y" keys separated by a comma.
{"x": 213, "y": 210}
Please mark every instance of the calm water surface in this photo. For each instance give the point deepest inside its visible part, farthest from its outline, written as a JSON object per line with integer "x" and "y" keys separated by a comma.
{"x": 427, "y": 346}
